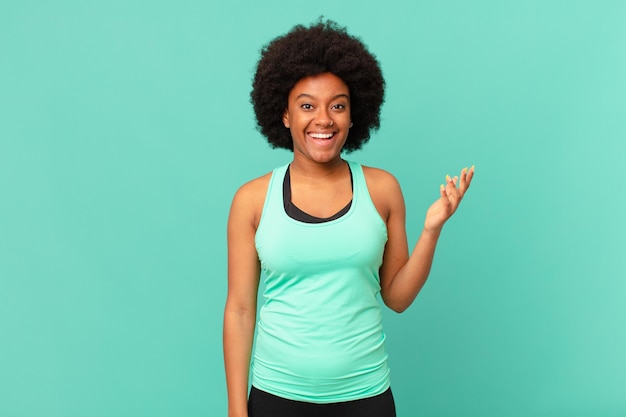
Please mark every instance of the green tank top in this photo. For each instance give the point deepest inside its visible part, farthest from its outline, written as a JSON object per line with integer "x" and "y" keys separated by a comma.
{"x": 320, "y": 337}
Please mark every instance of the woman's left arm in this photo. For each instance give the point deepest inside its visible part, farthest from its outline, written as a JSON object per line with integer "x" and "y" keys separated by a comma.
{"x": 403, "y": 276}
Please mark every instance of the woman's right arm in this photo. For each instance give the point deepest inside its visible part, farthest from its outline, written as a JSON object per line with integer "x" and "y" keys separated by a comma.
{"x": 243, "y": 284}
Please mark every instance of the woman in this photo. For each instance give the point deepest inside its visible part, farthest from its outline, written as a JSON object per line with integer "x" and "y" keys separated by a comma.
{"x": 328, "y": 236}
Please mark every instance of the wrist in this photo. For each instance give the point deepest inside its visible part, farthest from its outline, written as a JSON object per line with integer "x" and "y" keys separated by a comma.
{"x": 238, "y": 413}
{"x": 238, "y": 408}
{"x": 432, "y": 234}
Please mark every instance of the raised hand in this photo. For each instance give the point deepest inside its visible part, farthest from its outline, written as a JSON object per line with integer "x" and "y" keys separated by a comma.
{"x": 451, "y": 195}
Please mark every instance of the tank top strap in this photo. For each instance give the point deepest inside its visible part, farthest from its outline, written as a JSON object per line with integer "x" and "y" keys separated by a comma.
{"x": 273, "y": 195}
{"x": 360, "y": 190}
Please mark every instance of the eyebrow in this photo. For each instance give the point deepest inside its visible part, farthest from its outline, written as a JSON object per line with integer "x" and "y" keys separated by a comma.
{"x": 333, "y": 98}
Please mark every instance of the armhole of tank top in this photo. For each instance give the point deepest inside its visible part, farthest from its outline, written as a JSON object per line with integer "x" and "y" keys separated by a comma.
{"x": 364, "y": 191}
{"x": 268, "y": 197}
{"x": 268, "y": 194}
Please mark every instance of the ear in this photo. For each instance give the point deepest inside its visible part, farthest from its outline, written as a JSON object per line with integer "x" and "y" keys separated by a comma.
{"x": 286, "y": 118}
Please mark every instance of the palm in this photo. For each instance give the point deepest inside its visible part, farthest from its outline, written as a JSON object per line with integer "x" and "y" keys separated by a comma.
{"x": 450, "y": 198}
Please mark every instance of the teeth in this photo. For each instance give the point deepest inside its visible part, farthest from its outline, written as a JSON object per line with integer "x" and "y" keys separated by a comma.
{"x": 321, "y": 135}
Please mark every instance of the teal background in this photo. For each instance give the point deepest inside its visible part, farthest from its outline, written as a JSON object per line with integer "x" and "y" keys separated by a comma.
{"x": 126, "y": 127}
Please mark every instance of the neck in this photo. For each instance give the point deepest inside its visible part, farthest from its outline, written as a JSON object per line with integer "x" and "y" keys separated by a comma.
{"x": 316, "y": 170}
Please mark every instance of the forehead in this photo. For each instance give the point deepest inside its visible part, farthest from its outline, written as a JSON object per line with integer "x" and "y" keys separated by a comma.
{"x": 319, "y": 86}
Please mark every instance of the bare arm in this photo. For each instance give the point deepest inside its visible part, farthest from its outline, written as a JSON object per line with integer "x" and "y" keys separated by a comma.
{"x": 243, "y": 284}
{"x": 402, "y": 277}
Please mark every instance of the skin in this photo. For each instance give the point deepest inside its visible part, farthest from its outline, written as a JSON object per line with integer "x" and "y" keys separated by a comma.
{"x": 320, "y": 181}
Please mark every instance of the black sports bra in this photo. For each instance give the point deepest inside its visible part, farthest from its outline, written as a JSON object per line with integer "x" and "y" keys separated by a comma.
{"x": 297, "y": 214}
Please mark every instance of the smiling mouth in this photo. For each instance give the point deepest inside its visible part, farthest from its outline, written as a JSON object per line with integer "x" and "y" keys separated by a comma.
{"x": 325, "y": 136}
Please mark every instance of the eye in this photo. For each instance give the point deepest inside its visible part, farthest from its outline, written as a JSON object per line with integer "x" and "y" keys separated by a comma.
{"x": 339, "y": 107}
{"x": 306, "y": 106}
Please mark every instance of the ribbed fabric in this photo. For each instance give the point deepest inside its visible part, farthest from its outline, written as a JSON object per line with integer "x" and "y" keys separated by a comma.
{"x": 320, "y": 337}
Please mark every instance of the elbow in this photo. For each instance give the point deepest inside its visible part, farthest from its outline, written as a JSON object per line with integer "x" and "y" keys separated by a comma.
{"x": 240, "y": 309}
{"x": 397, "y": 306}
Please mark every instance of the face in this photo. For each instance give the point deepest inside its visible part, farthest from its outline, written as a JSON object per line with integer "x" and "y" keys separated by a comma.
{"x": 318, "y": 116}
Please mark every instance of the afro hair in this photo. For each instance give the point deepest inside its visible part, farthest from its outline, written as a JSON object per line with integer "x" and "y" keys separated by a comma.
{"x": 306, "y": 51}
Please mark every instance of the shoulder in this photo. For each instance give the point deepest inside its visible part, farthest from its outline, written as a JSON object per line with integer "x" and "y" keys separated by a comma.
{"x": 384, "y": 190}
{"x": 381, "y": 183}
{"x": 249, "y": 199}
{"x": 254, "y": 189}
{"x": 377, "y": 177}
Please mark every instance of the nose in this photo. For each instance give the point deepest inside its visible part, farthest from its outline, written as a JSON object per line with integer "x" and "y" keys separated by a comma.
{"x": 323, "y": 118}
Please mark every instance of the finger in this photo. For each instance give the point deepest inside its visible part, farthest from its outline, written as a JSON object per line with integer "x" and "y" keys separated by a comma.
{"x": 443, "y": 197}
{"x": 470, "y": 175}
{"x": 454, "y": 195}
{"x": 463, "y": 181}
{"x": 466, "y": 178}
{"x": 445, "y": 200}
{"x": 452, "y": 181}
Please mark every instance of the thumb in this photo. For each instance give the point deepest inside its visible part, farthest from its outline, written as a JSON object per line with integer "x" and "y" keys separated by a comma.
{"x": 444, "y": 195}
